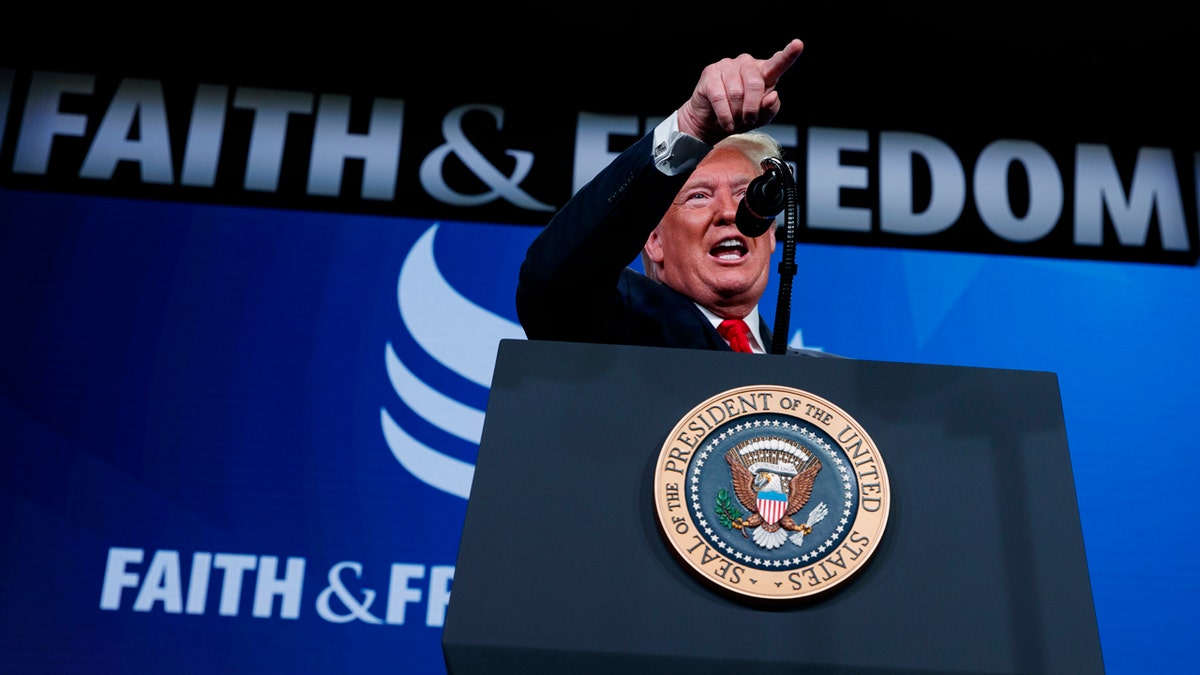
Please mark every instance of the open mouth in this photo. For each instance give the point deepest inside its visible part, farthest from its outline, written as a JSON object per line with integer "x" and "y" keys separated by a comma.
{"x": 729, "y": 249}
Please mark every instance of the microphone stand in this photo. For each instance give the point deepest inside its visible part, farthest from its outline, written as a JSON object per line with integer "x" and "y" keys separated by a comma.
{"x": 787, "y": 265}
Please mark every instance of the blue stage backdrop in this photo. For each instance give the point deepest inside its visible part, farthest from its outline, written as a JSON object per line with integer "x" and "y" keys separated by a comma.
{"x": 241, "y": 439}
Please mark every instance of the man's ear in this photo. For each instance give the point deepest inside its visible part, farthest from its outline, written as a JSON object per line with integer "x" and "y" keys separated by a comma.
{"x": 653, "y": 247}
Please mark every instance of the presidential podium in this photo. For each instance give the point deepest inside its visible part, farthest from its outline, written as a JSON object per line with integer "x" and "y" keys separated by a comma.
{"x": 563, "y": 566}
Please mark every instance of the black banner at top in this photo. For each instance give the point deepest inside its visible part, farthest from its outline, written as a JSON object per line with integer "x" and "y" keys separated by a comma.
{"x": 905, "y": 155}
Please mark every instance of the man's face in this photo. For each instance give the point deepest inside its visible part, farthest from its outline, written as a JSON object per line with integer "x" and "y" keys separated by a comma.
{"x": 698, "y": 245}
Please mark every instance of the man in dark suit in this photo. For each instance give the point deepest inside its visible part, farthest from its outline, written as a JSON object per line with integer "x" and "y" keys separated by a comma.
{"x": 672, "y": 197}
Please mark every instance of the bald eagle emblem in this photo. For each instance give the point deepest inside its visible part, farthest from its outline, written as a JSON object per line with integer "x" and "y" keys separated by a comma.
{"x": 773, "y": 479}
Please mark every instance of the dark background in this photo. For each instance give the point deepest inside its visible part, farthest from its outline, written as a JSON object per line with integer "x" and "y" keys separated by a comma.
{"x": 1026, "y": 67}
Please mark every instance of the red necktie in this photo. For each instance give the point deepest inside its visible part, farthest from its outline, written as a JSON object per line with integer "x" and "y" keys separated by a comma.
{"x": 737, "y": 334}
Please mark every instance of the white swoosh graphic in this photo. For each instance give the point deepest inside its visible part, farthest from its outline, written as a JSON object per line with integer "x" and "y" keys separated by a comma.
{"x": 438, "y": 409}
{"x": 430, "y": 466}
{"x": 460, "y": 335}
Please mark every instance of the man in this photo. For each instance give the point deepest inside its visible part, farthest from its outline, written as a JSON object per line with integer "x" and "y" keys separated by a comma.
{"x": 672, "y": 197}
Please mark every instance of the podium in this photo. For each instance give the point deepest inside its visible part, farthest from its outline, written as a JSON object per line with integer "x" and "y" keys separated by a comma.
{"x": 563, "y": 566}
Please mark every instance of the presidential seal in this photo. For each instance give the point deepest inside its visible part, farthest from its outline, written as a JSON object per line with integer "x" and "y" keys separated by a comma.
{"x": 771, "y": 493}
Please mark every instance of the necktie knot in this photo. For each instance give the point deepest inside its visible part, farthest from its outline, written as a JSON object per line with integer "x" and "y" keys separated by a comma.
{"x": 737, "y": 334}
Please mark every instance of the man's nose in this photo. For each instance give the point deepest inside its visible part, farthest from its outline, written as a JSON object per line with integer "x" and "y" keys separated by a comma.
{"x": 726, "y": 205}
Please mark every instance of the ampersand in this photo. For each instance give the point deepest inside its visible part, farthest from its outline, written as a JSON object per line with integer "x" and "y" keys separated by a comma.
{"x": 357, "y": 611}
{"x": 457, "y": 143}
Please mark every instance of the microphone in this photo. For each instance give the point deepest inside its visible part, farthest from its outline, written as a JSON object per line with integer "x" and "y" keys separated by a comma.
{"x": 765, "y": 198}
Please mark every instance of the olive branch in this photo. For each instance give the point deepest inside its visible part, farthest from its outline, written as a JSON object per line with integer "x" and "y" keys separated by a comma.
{"x": 727, "y": 513}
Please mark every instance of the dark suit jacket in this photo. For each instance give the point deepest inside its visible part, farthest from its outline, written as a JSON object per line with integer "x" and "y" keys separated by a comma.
{"x": 576, "y": 285}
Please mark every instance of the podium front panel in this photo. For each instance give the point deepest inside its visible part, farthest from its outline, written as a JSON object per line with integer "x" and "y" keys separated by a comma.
{"x": 562, "y": 565}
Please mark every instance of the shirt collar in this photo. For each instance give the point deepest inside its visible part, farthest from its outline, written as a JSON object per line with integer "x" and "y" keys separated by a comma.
{"x": 751, "y": 320}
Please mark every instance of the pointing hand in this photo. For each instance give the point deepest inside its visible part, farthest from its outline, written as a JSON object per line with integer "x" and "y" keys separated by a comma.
{"x": 736, "y": 94}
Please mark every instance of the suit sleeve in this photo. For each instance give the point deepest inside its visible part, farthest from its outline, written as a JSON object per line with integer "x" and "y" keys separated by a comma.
{"x": 569, "y": 282}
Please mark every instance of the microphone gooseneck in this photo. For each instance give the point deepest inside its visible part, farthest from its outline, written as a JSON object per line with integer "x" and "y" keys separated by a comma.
{"x": 766, "y": 196}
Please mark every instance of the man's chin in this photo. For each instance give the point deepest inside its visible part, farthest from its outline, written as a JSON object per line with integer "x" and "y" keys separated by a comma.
{"x": 738, "y": 284}
{"x": 739, "y": 294}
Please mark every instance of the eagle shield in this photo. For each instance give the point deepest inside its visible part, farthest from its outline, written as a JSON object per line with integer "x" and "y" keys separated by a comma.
{"x": 771, "y": 506}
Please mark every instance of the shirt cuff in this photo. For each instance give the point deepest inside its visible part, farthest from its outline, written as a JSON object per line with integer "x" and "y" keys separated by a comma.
{"x": 675, "y": 152}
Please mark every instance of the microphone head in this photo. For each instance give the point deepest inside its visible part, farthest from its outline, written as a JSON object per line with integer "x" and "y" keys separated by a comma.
{"x": 749, "y": 223}
{"x": 765, "y": 198}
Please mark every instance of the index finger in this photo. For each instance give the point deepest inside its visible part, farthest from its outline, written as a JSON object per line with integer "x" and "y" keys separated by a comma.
{"x": 774, "y": 67}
